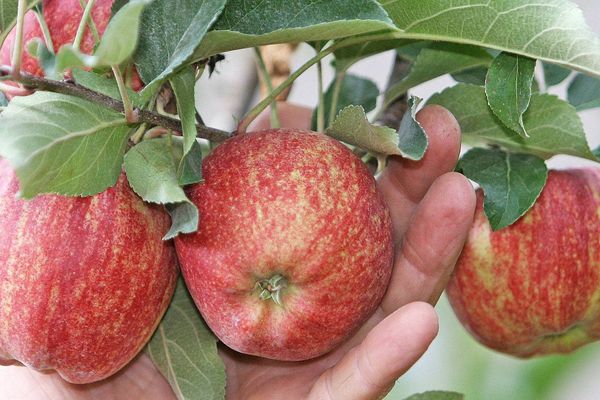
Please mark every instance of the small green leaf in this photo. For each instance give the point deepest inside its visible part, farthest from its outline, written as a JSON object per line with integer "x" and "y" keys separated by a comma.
{"x": 474, "y": 76}
{"x": 413, "y": 141}
{"x": 437, "y": 395}
{"x": 555, "y": 74}
{"x": 117, "y": 45}
{"x": 183, "y": 85}
{"x": 596, "y": 152}
{"x": 511, "y": 182}
{"x": 62, "y": 144}
{"x": 185, "y": 351}
{"x": 170, "y": 42}
{"x": 584, "y": 92}
{"x": 436, "y": 60}
{"x": 508, "y": 89}
{"x": 151, "y": 168}
{"x": 553, "y": 124}
{"x": 190, "y": 168}
{"x": 354, "y": 90}
{"x": 352, "y": 126}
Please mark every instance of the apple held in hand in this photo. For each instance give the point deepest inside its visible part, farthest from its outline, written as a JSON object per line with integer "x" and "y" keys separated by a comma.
{"x": 534, "y": 288}
{"x": 295, "y": 246}
{"x": 83, "y": 281}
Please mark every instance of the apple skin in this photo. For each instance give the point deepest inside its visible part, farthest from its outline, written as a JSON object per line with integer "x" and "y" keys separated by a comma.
{"x": 83, "y": 281}
{"x": 62, "y": 18}
{"x": 296, "y": 204}
{"x": 534, "y": 288}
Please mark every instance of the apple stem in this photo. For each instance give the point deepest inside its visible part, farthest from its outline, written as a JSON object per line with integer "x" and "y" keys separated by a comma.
{"x": 127, "y": 107}
{"x": 272, "y": 288}
{"x": 82, "y": 24}
{"x": 337, "y": 88}
{"x": 321, "y": 105}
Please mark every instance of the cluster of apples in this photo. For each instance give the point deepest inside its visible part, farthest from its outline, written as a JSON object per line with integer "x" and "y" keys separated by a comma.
{"x": 290, "y": 222}
{"x": 294, "y": 252}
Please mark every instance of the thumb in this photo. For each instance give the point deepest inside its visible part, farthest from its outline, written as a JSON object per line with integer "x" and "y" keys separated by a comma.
{"x": 369, "y": 370}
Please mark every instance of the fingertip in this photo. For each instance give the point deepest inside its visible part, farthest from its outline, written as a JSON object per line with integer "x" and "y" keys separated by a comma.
{"x": 458, "y": 195}
{"x": 439, "y": 120}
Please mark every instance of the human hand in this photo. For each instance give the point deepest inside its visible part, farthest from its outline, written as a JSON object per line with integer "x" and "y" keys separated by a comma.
{"x": 432, "y": 210}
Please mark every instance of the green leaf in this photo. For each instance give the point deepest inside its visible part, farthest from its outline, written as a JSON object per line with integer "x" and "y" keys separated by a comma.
{"x": 104, "y": 85}
{"x": 555, "y": 74}
{"x": 8, "y": 16}
{"x": 413, "y": 141}
{"x": 251, "y": 23}
{"x": 553, "y": 125}
{"x": 584, "y": 92}
{"x": 436, "y": 395}
{"x": 190, "y": 168}
{"x": 173, "y": 32}
{"x": 474, "y": 76}
{"x": 185, "y": 351}
{"x": 183, "y": 85}
{"x": 3, "y": 100}
{"x": 62, "y": 144}
{"x": 117, "y": 5}
{"x": 352, "y": 126}
{"x": 353, "y": 90}
{"x": 437, "y": 60}
{"x": 151, "y": 168}
{"x": 511, "y": 182}
{"x": 552, "y": 30}
{"x": 508, "y": 89}
{"x": 117, "y": 45}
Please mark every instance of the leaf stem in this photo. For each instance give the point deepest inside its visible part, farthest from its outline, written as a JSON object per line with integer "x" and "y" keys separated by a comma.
{"x": 83, "y": 23}
{"x": 264, "y": 74}
{"x": 124, "y": 96}
{"x": 335, "y": 96}
{"x": 74, "y": 89}
{"x": 45, "y": 30}
{"x": 321, "y": 105}
{"x": 18, "y": 49}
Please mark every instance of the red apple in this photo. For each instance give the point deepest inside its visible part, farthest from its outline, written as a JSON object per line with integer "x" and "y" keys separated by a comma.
{"x": 295, "y": 247}
{"x": 83, "y": 281}
{"x": 534, "y": 288}
{"x": 63, "y": 18}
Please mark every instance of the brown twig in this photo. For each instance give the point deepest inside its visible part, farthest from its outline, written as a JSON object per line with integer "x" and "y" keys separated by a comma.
{"x": 74, "y": 89}
{"x": 393, "y": 114}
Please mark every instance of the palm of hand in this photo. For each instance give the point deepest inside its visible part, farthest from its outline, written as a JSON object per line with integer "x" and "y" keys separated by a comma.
{"x": 432, "y": 210}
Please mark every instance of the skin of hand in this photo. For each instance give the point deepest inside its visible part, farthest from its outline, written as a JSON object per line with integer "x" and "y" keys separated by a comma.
{"x": 432, "y": 209}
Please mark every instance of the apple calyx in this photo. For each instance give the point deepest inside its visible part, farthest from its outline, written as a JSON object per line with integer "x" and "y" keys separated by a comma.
{"x": 272, "y": 288}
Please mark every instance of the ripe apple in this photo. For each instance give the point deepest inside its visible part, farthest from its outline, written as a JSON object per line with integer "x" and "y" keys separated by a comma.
{"x": 83, "y": 281}
{"x": 63, "y": 18}
{"x": 294, "y": 250}
{"x": 534, "y": 288}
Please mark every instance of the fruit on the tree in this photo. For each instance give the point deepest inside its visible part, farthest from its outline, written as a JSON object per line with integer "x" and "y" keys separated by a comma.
{"x": 83, "y": 281}
{"x": 62, "y": 18}
{"x": 534, "y": 288}
{"x": 294, "y": 250}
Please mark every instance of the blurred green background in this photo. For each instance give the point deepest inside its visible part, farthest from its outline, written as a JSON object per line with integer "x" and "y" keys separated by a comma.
{"x": 456, "y": 362}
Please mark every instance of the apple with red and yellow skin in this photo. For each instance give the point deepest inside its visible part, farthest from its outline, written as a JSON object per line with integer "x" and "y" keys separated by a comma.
{"x": 83, "y": 281}
{"x": 294, "y": 250}
{"x": 533, "y": 288}
{"x": 62, "y": 18}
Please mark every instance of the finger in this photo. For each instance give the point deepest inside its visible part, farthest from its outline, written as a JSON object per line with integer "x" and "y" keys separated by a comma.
{"x": 432, "y": 243}
{"x": 290, "y": 116}
{"x": 370, "y": 369}
{"x": 405, "y": 182}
